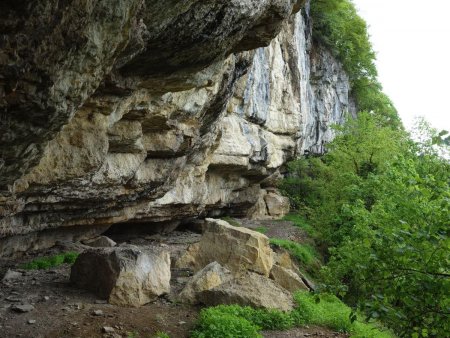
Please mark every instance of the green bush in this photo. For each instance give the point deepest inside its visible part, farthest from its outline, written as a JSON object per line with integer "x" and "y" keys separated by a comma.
{"x": 305, "y": 254}
{"x": 235, "y": 321}
{"x": 50, "y": 262}
{"x": 245, "y": 322}
{"x": 264, "y": 319}
{"x": 300, "y": 222}
{"x": 327, "y": 310}
{"x": 380, "y": 203}
{"x": 215, "y": 323}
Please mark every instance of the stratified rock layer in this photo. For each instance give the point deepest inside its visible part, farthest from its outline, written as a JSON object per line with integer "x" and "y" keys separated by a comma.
{"x": 154, "y": 111}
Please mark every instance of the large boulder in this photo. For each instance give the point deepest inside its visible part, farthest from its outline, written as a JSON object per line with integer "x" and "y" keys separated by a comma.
{"x": 236, "y": 248}
{"x": 287, "y": 278}
{"x": 208, "y": 278}
{"x": 277, "y": 205}
{"x": 125, "y": 275}
{"x": 249, "y": 289}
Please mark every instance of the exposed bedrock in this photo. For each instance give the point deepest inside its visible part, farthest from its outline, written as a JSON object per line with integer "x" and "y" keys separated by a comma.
{"x": 154, "y": 111}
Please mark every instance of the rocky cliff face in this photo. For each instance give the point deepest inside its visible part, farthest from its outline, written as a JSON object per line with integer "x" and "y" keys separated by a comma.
{"x": 154, "y": 112}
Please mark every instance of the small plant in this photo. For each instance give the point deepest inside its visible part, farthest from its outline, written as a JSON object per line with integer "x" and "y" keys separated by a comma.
{"x": 161, "y": 334}
{"x": 50, "y": 262}
{"x": 262, "y": 230}
{"x": 235, "y": 321}
{"x": 231, "y": 220}
{"x": 300, "y": 222}
{"x": 327, "y": 310}
{"x": 304, "y": 253}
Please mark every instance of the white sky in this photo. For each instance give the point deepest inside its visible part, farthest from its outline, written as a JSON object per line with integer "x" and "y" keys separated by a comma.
{"x": 412, "y": 41}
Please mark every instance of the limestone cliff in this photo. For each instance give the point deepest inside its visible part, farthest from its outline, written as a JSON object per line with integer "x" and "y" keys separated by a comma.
{"x": 154, "y": 112}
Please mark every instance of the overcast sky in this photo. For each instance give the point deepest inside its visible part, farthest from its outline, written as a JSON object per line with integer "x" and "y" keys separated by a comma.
{"x": 412, "y": 41}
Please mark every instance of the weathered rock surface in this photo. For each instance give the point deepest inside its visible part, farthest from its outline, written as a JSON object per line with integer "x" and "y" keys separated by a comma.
{"x": 233, "y": 265}
{"x": 22, "y": 308}
{"x": 277, "y": 205}
{"x": 154, "y": 111}
{"x": 11, "y": 275}
{"x": 100, "y": 242}
{"x": 287, "y": 278}
{"x": 250, "y": 289}
{"x": 208, "y": 278}
{"x": 236, "y": 248}
{"x": 124, "y": 275}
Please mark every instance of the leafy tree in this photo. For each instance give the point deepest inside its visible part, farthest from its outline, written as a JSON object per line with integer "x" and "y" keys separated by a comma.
{"x": 381, "y": 203}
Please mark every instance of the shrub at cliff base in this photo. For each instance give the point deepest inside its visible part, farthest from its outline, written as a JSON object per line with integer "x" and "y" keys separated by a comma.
{"x": 234, "y": 321}
{"x": 380, "y": 203}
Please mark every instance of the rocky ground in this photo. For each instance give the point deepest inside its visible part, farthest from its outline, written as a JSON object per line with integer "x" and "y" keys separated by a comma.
{"x": 42, "y": 303}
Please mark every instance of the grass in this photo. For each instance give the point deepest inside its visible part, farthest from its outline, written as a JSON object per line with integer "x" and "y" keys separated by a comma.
{"x": 233, "y": 321}
{"x": 328, "y": 311}
{"x": 262, "y": 230}
{"x": 305, "y": 254}
{"x": 300, "y": 222}
{"x": 51, "y": 261}
{"x": 231, "y": 220}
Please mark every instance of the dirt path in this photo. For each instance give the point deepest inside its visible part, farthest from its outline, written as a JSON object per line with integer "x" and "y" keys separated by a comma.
{"x": 277, "y": 229}
{"x": 304, "y": 332}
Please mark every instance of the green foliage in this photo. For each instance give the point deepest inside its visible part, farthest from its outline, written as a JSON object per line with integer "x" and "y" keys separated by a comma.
{"x": 235, "y": 321}
{"x": 327, "y": 310}
{"x": 304, "y": 253}
{"x": 300, "y": 222}
{"x": 380, "y": 202}
{"x": 50, "y": 262}
{"x": 161, "y": 334}
{"x": 262, "y": 230}
{"x": 216, "y": 323}
{"x": 337, "y": 25}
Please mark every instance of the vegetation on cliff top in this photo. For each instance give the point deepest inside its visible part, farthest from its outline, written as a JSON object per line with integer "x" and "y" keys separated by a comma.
{"x": 380, "y": 203}
{"x": 337, "y": 25}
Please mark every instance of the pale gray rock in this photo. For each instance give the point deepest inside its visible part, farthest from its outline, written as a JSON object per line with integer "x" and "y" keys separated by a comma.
{"x": 287, "y": 279}
{"x": 208, "y": 278}
{"x": 277, "y": 206}
{"x": 236, "y": 248}
{"x": 11, "y": 276}
{"x": 125, "y": 275}
{"x": 97, "y": 313}
{"x": 108, "y": 329}
{"x": 100, "y": 242}
{"x": 250, "y": 289}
